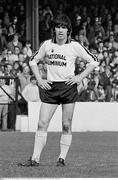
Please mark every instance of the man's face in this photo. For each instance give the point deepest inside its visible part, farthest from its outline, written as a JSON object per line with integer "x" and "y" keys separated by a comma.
{"x": 61, "y": 32}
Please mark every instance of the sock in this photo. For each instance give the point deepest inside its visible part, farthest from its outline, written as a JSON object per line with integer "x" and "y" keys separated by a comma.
{"x": 65, "y": 143}
{"x": 39, "y": 143}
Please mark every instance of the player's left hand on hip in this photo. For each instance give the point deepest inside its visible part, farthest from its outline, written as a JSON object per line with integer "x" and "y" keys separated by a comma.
{"x": 72, "y": 80}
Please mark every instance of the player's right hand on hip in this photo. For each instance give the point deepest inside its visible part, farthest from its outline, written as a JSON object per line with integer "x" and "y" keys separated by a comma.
{"x": 45, "y": 84}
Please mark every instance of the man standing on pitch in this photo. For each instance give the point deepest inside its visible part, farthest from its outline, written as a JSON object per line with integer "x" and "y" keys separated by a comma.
{"x": 60, "y": 87}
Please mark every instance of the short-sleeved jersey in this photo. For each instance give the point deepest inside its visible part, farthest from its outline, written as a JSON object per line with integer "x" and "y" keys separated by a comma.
{"x": 61, "y": 58}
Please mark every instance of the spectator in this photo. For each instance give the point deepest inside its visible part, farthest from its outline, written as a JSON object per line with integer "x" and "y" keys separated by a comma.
{"x": 109, "y": 28}
{"x": 116, "y": 53}
{"x": 24, "y": 77}
{"x": 106, "y": 58}
{"x": 92, "y": 91}
{"x": 4, "y": 55}
{"x": 79, "y": 66}
{"x": 100, "y": 46}
{"x": 4, "y": 100}
{"x": 77, "y": 26}
{"x": 88, "y": 27}
{"x": 84, "y": 95}
{"x": 1, "y": 70}
{"x": 105, "y": 81}
{"x": 9, "y": 53}
{"x": 96, "y": 78}
{"x": 6, "y": 19}
{"x": 25, "y": 55}
{"x": 10, "y": 33}
{"x": 12, "y": 105}
{"x": 42, "y": 70}
{"x": 7, "y": 69}
{"x": 16, "y": 69}
{"x": 96, "y": 29}
{"x": 116, "y": 94}
{"x": 24, "y": 80}
{"x": 47, "y": 10}
{"x": 116, "y": 19}
{"x": 15, "y": 42}
{"x": 28, "y": 46}
{"x": 60, "y": 9}
{"x": 112, "y": 45}
{"x": 15, "y": 23}
{"x": 1, "y": 11}
{"x": 14, "y": 56}
{"x": 40, "y": 14}
{"x": 83, "y": 39}
{"x": 84, "y": 27}
{"x": 116, "y": 32}
{"x": 100, "y": 94}
{"x": 45, "y": 28}
{"x": 115, "y": 78}
{"x": 3, "y": 41}
{"x": 31, "y": 91}
{"x": 21, "y": 58}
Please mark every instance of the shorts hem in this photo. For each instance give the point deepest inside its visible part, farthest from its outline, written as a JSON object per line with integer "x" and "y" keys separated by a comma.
{"x": 59, "y": 103}
{"x": 50, "y": 102}
{"x": 69, "y": 102}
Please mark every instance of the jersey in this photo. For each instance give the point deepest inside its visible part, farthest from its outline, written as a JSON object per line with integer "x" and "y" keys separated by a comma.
{"x": 61, "y": 58}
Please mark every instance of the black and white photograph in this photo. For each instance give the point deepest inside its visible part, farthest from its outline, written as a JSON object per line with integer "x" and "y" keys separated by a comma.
{"x": 58, "y": 89}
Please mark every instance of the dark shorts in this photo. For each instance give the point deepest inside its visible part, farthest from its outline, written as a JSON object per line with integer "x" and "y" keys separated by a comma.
{"x": 60, "y": 93}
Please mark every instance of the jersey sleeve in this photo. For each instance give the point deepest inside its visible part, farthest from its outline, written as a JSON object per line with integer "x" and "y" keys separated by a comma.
{"x": 85, "y": 54}
{"x": 38, "y": 55}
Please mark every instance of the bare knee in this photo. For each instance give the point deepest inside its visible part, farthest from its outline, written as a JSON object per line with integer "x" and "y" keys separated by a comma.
{"x": 66, "y": 126}
{"x": 42, "y": 125}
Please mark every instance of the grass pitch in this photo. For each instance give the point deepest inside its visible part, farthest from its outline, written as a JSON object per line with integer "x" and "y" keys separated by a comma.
{"x": 92, "y": 154}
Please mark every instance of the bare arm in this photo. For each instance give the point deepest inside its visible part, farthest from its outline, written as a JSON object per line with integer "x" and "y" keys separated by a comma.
{"x": 86, "y": 72}
{"x": 43, "y": 83}
{"x": 78, "y": 78}
{"x": 36, "y": 73}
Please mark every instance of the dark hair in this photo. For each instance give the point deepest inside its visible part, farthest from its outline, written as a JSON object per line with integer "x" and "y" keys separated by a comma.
{"x": 19, "y": 66}
{"x": 32, "y": 78}
{"x": 16, "y": 47}
{"x": 64, "y": 20}
{"x": 28, "y": 42}
{"x": 16, "y": 34}
{"x": 16, "y": 62}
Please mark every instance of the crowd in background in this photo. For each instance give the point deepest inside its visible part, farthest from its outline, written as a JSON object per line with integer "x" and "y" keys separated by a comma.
{"x": 93, "y": 25}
